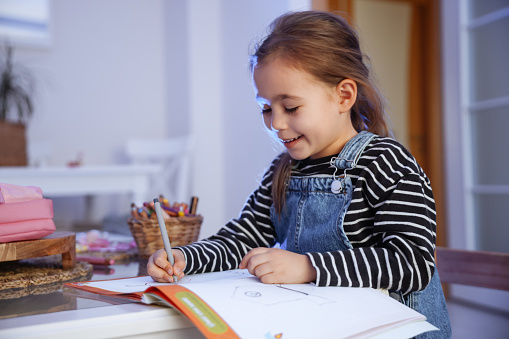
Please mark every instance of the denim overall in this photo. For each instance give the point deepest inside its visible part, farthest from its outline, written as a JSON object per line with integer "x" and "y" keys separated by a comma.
{"x": 312, "y": 221}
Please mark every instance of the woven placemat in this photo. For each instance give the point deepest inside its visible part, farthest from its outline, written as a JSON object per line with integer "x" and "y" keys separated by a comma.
{"x": 38, "y": 276}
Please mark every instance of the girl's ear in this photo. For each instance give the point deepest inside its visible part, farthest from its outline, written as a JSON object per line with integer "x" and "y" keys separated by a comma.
{"x": 347, "y": 94}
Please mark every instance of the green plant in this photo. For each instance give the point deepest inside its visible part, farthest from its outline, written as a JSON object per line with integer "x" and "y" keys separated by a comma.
{"x": 16, "y": 89}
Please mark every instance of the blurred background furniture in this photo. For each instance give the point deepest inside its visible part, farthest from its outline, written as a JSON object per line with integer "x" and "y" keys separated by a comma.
{"x": 479, "y": 273}
{"x": 85, "y": 180}
{"x": 173, "y": 156}
{"x": 63, "y": 243}
{"x": 473, "y": 268}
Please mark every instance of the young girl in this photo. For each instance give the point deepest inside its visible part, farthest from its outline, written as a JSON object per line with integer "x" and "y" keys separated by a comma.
{"x": 345, "y": 205}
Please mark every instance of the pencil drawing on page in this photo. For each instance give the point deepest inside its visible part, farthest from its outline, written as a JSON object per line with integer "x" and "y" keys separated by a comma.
{"x": 267, "y": 295}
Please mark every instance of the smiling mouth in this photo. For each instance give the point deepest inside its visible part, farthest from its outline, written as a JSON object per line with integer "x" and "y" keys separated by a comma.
{"x": 290, "y": 140}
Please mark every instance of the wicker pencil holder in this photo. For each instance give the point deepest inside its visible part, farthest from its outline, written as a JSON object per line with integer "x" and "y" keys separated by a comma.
{"x": 181, "y": 231}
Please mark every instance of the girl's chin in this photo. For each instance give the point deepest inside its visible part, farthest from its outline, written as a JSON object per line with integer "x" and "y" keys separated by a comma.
{"x": 297, "y": 155}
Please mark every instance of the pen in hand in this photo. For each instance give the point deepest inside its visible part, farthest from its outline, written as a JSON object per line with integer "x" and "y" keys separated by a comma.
{"x": 164, "y": 234}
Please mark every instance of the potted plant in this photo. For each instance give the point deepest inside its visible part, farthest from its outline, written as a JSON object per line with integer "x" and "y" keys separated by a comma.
{"x": 16, "y": 108}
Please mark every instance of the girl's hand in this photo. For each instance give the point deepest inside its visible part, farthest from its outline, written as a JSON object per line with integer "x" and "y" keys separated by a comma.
{"x": 159, "y": 268}
{"x": 277, "y": 266}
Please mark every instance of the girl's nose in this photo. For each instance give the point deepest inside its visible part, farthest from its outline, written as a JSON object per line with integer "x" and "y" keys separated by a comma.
{"x": 278, "y": 121}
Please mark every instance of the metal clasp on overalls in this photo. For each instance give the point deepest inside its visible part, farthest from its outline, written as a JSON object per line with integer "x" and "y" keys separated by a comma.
{"x": 337, "y": 184}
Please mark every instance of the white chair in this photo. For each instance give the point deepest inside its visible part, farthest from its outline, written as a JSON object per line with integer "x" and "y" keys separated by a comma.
{"x": 174, "y": 154}
{"x": 39, "y": 153}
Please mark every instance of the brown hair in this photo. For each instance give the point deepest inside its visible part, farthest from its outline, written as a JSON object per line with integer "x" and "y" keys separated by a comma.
{"x": 327, "y": 47}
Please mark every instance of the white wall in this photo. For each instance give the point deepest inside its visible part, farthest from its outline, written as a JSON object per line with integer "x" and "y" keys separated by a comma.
{"x": 232, "y": 149}
{"x": 206, "y": 109}
{"x": 176, "y": 77}
{"x": 101, "y": 80}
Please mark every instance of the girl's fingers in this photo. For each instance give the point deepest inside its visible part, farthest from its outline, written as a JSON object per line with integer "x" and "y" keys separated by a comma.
{"x": 180, "y": 263}
{"x": 155, "y": 271}
{"x": 247, "y": 258}
{"x": 160, "y": 258}
{"x": 255, "y": 259}
{"x": 272, "y": 265}
{"x": 159, "y": 268}
{"x": 262, "y": 270}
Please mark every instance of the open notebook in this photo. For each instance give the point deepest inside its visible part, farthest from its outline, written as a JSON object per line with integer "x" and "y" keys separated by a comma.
{"x": 235, "y": 304}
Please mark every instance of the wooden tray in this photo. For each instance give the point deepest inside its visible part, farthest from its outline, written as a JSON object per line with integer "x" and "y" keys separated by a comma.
{"x": 57, "y": 243}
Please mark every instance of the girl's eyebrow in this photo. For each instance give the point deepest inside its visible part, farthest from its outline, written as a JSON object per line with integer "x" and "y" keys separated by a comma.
{"x": 280, "y": 97}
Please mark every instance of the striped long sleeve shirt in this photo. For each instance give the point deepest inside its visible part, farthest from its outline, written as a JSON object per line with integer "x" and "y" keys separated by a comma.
{"x": 390, "y": 224}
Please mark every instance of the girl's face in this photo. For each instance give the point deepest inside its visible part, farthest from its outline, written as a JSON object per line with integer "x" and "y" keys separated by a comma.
{"x": 306, "y": 115}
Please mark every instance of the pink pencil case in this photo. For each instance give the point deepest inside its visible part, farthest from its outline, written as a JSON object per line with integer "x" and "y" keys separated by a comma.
{"x": 14, "y": 193}
{"x": 26, "y": 230}
{"x": 26, "y": 210}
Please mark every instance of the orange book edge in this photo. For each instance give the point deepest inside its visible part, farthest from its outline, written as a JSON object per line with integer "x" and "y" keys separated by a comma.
{"x": 208, "y": 322}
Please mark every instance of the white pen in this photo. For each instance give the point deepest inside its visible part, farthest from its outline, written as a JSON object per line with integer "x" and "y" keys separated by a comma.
{"x": 164, "y": 234}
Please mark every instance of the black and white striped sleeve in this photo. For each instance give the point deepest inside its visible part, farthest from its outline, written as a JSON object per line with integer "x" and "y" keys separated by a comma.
{"x": 253, "y": 228}
{"x": 390, "y": 224}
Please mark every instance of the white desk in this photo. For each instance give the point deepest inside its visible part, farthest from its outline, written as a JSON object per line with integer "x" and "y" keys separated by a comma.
{"x": 135, "y": 321}
{"x": 85, "y": 180}
{"x": 112, "y": 321}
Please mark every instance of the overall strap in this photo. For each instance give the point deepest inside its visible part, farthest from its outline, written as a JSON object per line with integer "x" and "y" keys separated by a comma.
{"x": 350, "y": 154}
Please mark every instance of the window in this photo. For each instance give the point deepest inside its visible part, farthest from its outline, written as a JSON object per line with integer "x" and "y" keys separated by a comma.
{"x": 25, "y": 22}
{"x": 476, "y": 121}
